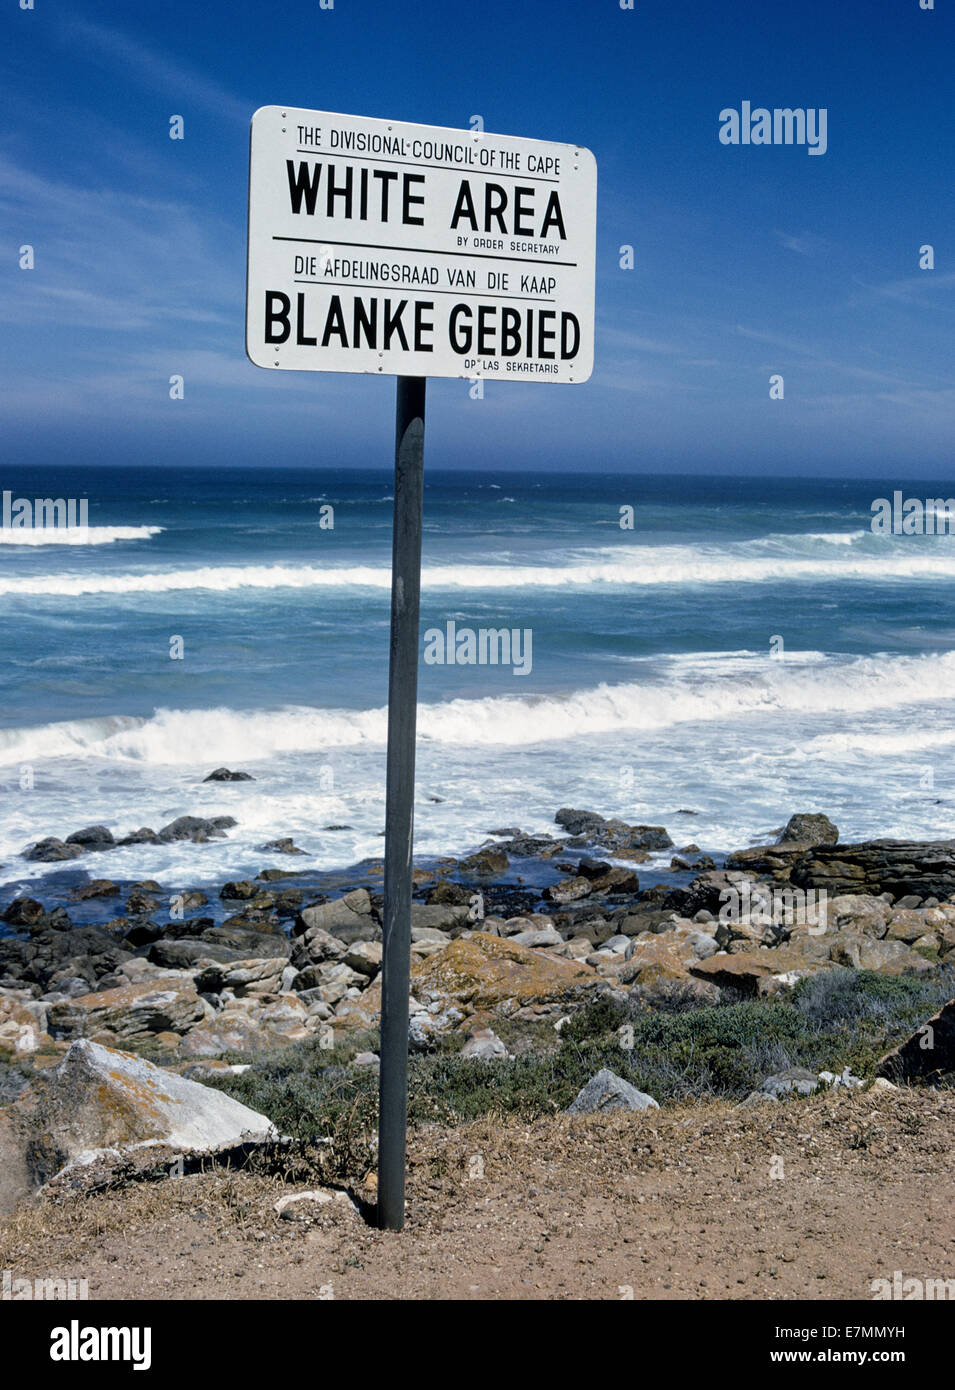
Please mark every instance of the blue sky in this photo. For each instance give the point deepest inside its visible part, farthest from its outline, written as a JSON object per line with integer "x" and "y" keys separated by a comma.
{"x": 750, "y": 261}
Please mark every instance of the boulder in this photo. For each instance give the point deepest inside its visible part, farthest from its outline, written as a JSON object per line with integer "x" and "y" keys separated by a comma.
{"x": 100, "y": 1099}
{"x": 315, "y": 947}
{"x": 485, "y": 1046}
{"x": 130, "y": 1012}
{"x": 142, "y": 836}
{"x": 22, "y": 912}
{"x": 96, "y": 888}
{"x": 349, "y": 917}
{"x": 222, "y": 774}
{"x": 858, "y": 912}
{"x": 793, "y": 1080}
{"x": 92, "y": 837}
{"x": 238, "y": 890}
{"x": 757, "y": 972}
{"x": 364, "y": 957}
{"x": 923, "y": 868}
{"x": 243, "y": 977}
{"x": 444, "y": 917}
{"x": 195, "y": 828}
{"x": 809, "y": 829}
{"x": 486, "y": 861}
{"x": 51, "y": 851}
{"x": 861, "y": 952}
{"x": 653, "y": 958}
{"x": 612, "y": 834}
{"x": 569, "y": 890}
{"x": 545, "y": 936}
{"x": 258, "y": 940}
{"x": 183, "y": 954}
{"x": 237, "y": 1028}
{"x": 480, "y": 974}
{"x": 285, "y": 845}
{"x": 767, "y": 861}
{"x": 579, "y": 822}
{"x": 607, "y": 1091}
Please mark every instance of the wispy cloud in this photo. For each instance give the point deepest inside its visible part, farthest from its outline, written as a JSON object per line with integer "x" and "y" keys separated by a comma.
{"x": 805, "y": 244}
{"x": 157, "y": 70}
{"x": 811, "y": 352}
{"x": 918, "y": 289}
{"x": 114, "y": 260}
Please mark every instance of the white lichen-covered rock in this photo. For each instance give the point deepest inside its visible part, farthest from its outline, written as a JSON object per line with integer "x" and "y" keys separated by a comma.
{"x": 99, "y": 1100}
{"x": 608, "y": 1091}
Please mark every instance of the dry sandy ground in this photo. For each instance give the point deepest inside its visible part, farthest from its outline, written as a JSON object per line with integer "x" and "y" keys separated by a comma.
{"x": 805, "y": 1199}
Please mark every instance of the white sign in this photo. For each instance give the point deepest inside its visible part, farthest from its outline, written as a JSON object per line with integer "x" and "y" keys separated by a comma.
{"x": 378, "y": 246}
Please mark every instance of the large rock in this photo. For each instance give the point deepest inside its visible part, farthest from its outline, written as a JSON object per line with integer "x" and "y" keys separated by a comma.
{"x": 929, "y": 1054}
{"x": 809, "y": 829}
{"x": 490, "y": 860}
{"x": 484, "y": 1046}
{"x": 446, "y": 917}
{"x": 484, "y": 976}
{"x": 862, "y": 952}
{"x": 653, "y": 958}
{"x": 794, "y": 1080}
{"x": 608, "y": 1091}
{"x": 51, "y": 851}
{"x": 569, "y": 890}
{"x": 22, "y": 912}
{"x": 130, "y": 1012}
{"x": 92, "y": 837}
{"x": 612, "y": 834}
{"x": 758, "y": 972}
{"x": 768, "y": 861}
{"x": 239, "y": 1028}
{"x": 349, "y": 918}
{"x": 98, "y": 1099}
{"x": 196, "y": 828}
{"x": 925, "y": 868}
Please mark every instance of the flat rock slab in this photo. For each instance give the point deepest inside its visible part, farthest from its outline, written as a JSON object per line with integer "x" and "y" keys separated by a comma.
{"x": 99, "y": 1099}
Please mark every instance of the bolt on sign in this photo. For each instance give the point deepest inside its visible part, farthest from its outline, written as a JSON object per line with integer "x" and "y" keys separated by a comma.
{"x": 384, "y": 247}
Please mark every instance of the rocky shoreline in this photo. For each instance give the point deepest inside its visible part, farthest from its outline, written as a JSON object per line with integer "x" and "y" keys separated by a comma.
{"x": 525, "y": 928}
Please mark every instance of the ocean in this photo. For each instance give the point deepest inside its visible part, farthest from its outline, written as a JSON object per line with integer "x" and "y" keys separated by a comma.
{"x": 747, "y": 650}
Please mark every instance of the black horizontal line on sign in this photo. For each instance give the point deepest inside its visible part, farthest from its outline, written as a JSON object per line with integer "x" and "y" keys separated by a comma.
{"x": 410, "y": 164}
{"x": 350, "y": 285}
{"x": 419, "y": 250}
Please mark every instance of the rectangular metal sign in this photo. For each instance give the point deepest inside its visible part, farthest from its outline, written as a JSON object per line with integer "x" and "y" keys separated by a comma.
{"x": 384, "y": 247}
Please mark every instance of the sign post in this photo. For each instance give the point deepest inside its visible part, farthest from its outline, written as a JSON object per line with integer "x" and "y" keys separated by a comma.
{"x": 389, "y": 248}
{"x": 399, "y": 803}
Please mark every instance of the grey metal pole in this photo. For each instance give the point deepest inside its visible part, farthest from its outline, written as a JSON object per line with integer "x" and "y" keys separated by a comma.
{"x": 399, "y": 800}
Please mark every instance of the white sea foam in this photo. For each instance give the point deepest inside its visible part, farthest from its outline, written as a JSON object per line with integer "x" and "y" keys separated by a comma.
{"x": 644, "y": 566}
{"x": 755, "y": 687}
{"x": 75, "y": 535}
